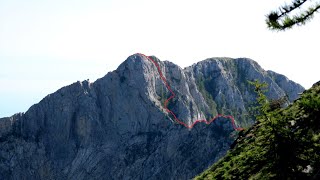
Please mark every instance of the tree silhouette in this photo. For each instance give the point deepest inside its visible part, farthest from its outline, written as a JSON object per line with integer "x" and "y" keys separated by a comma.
{"x": 287, "y": 16}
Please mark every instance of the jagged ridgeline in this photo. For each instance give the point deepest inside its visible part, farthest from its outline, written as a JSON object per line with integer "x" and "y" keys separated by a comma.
{"x": 220, "y": 86}
{"x": 284, "y": 144}
{"x": 117, "y": 127}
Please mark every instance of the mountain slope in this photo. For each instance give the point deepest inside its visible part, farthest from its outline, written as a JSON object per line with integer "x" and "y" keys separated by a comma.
{"x": 283, "y": 145}
{"x": 117, "y": 127}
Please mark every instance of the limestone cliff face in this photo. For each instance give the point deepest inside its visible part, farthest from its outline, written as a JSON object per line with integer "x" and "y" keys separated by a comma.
{"x": 291, "y": 88}
{"x": 117, "y": 127}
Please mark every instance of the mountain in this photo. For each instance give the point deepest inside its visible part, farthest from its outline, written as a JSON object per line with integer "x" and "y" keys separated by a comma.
{"x": 123, "y": 126}
{"x": 282, "y": 144}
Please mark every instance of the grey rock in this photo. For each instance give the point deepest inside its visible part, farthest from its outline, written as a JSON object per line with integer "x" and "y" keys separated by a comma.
{"x": 117, "y": 127}
{"x": 291, "y": 88}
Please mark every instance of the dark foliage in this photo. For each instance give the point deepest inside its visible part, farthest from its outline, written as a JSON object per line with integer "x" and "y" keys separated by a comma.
{"x": 286, "y": 18}
{"x": 283, "y": 144}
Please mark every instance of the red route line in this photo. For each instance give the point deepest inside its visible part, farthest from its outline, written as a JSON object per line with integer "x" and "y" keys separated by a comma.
{"x": 173, "y": 95}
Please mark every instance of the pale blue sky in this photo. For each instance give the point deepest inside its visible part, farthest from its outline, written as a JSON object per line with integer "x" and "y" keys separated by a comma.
{"x": 45, "y": 45}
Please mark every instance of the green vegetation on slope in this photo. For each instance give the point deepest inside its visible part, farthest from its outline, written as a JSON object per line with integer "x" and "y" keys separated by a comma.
{"x": 282, "y": 144}
{"x": 208, "y": 98}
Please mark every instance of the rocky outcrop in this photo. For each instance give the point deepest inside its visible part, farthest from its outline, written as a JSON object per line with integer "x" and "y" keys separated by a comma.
{"x": 117, "y": 127}
{"x": 291, "y": 88}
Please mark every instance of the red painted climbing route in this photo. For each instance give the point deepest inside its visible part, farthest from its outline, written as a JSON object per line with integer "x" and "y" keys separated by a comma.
{"x": 162, "y": 77}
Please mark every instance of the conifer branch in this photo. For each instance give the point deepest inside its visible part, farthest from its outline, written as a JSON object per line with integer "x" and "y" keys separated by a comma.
{"x": 281, "y": 19}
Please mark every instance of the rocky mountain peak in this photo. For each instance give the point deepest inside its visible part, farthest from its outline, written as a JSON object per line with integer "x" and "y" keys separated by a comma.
{"x": 123, "y": 126}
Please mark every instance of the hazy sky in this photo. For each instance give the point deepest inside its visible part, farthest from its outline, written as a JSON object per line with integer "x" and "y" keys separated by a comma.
{"x": 45, "y": 45}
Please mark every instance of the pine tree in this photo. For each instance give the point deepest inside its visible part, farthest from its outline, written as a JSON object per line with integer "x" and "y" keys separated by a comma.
{"x": 286, "y": 18}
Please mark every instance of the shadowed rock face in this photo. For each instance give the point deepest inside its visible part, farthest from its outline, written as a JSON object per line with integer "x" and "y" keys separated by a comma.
{"x": 117, "y": 128}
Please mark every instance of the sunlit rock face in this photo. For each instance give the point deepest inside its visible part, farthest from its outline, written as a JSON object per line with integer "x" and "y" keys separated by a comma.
{"x": 118, "y": 127}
